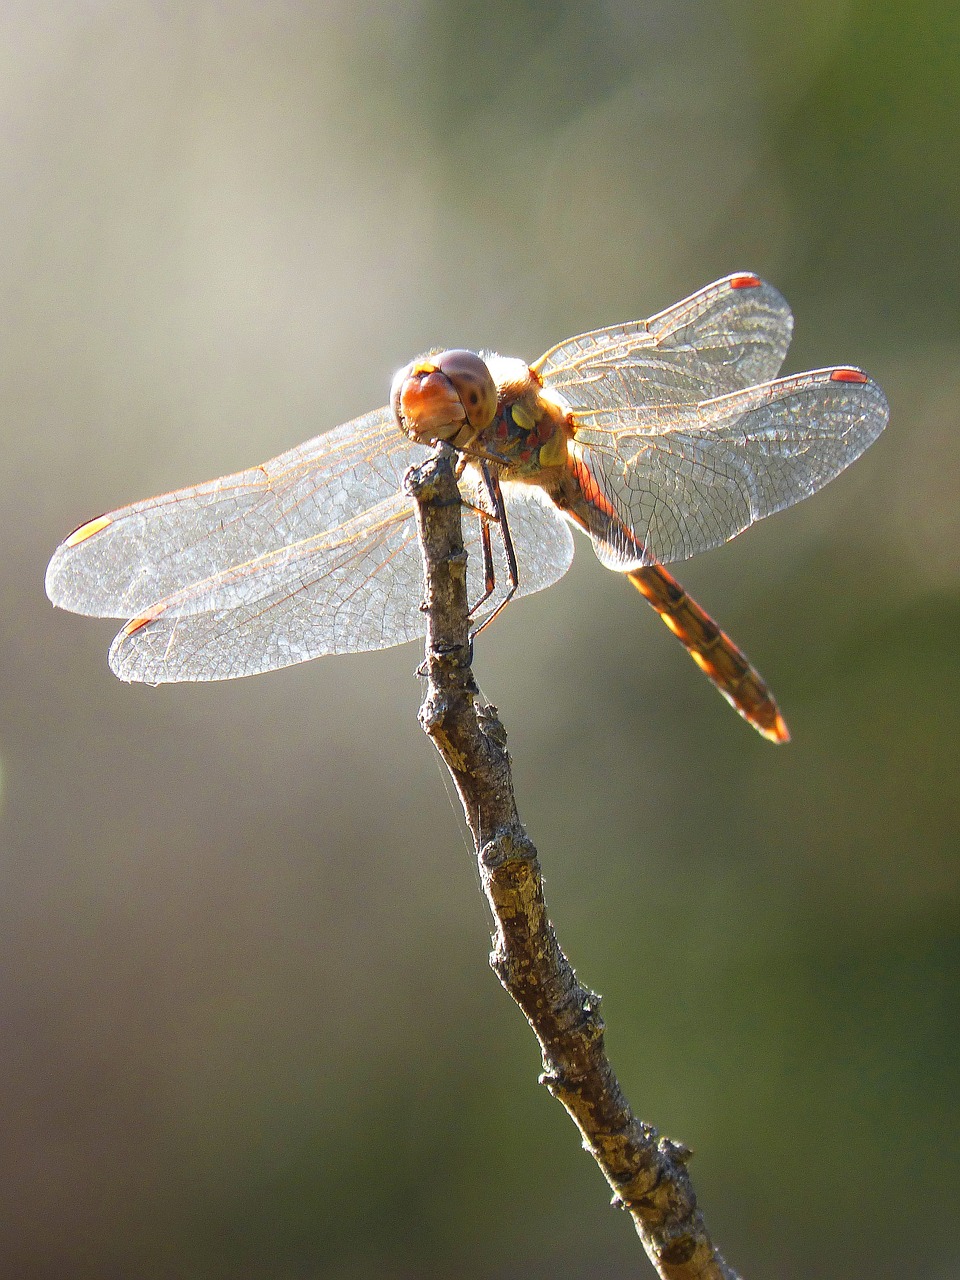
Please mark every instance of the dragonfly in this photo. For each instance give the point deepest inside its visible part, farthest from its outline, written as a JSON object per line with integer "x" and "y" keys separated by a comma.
{"x": 658, "y": 438}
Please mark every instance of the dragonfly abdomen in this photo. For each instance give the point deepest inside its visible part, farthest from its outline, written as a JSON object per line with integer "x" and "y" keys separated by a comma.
{"x": 577, "y": 493}
{"x": 712, "y": 650}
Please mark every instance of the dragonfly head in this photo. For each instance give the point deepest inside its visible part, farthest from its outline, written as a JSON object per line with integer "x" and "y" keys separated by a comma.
{"x": 440, "y": 397}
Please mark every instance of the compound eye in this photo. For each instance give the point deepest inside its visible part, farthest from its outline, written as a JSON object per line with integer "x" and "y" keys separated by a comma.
{"x": 473, "y": 383}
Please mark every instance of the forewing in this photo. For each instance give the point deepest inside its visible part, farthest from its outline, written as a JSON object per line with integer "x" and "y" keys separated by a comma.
{"x": 348, "y": 589}
{"x": 729, "y": 335}
{"x": 351, "y": 588}
{"x": 121, "y": 564}
{"x": 670, "y": 484}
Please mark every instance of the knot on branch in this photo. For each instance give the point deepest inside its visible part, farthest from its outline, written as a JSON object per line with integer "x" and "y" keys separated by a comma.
{"x": 508, "y": 847}
{"x": 491, "y": 726}
{"x": 678, "y": 1151}
{"x": 449, "y": 694}
{"x": 679, "y": 1252}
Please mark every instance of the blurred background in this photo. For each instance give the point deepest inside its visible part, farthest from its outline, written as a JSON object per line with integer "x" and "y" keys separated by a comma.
{"x": 248, "y": 1028}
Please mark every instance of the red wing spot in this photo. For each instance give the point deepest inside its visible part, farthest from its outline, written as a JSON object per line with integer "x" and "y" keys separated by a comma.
{"x": 848, "y": 375}
{"x": 137, "y": 624}
{"x": 745, "y": 282}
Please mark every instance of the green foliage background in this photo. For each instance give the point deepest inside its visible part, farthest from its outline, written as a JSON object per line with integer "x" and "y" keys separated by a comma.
{"x": 248, "y": 1029}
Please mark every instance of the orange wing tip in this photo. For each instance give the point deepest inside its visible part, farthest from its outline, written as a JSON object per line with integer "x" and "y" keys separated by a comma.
{"x": 745, "y": 281}
{"x": 137, "y": 624}
{"x": 87, "y": 531}
{"x": 848, "y": 375}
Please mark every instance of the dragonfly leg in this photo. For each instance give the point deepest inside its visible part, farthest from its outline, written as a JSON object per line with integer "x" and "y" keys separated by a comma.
{"x": 459, "y": 469}
{"x": 489, "y": 571}
{"x": 485, "y": 517}
{"x": 494, "y": 493}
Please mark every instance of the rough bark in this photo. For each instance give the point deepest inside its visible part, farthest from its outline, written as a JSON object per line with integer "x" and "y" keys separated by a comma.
{"x": 648, "y": 1173}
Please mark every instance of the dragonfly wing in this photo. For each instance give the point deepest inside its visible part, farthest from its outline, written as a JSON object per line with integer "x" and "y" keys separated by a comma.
{"x": 348, "y": 589}
{"x": 669, "y": 485}
{"x": 120, "y": 564}
{"x": 352, "y": 588}
{"x": 541, "y": 538}
{"x": 729, "y": 335}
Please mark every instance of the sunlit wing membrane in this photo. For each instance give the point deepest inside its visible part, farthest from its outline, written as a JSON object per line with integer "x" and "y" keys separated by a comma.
{"x": 671, "y": 483}
{"x": 730, "y": 335}
{"x": 352, "y": 588}
{"x": 120, "y": 564}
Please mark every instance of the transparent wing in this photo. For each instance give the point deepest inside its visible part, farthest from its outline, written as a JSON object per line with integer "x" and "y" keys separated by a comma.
{"x": 667, "y": 484}
{"x": 121, "y": 564}
{"x": 729, "y": 335}
{"x": 353, "y": 587}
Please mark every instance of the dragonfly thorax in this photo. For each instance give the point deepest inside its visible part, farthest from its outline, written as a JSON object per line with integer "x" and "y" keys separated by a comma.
{"x": 529, "y": 433}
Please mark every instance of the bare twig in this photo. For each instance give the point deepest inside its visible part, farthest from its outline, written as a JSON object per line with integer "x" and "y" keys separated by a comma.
{"x": 647, "y": 1172}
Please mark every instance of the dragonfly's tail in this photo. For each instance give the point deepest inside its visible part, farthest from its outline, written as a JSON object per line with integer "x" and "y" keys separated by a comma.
{"x": 713, "y": 651}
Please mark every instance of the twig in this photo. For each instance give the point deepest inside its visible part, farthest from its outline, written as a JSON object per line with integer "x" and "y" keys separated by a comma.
{"x": 647, "y": 1172}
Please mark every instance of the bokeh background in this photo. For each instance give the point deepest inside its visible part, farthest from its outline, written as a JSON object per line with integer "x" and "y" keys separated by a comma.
{"x": 246, "y": 1023}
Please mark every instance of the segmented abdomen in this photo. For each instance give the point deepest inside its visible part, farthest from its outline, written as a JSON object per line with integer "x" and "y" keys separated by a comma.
{"x": 712, "y": 650}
